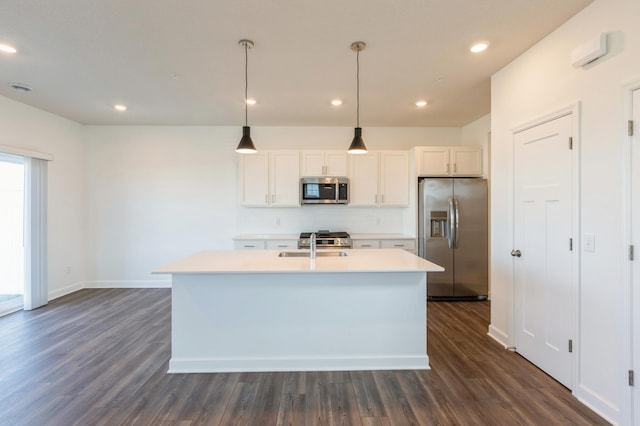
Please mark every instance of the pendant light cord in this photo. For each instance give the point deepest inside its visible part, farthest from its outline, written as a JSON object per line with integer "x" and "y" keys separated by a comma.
{"x": 358, "y": 88}
{"x": 246, "y": 83}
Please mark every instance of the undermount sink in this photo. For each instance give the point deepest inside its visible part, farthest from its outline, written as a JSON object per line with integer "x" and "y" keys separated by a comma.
{"x": 306, "y": 254}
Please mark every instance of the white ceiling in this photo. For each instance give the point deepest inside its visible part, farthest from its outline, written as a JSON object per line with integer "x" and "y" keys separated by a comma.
{"x": 82, "y": 56}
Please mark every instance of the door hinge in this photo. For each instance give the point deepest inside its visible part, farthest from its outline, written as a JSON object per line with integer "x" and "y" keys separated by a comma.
{"x": 570, "y": 143}
{"x": 631, "y": 252}
{"x": 570, "y": 345}
{"x": 570, "y": 244}
{"x": 631, "y": 378}
{"x": 630, "y": 127}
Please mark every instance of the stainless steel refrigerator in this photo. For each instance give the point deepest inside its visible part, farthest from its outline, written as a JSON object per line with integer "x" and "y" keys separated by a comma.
{"x": 453, "y": 232}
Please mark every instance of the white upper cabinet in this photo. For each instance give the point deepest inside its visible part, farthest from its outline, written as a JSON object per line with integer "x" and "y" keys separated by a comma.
{"x": 363, "y": 179}
{"x": 449, "y": 161}
{"x": 324, "y": 163}
{"x": 271, "y": 179}
{"x": 394, "y": 178}
{"x": 255, "y": 179}
{"x": 379, "y": 179}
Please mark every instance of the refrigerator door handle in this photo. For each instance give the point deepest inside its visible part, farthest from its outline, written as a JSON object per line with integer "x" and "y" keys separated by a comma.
{"x": 457, "y": 218}
{"x": 452, "y": 224}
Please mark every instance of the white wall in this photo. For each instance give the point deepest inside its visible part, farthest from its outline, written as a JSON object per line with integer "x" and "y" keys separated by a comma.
{"x": 158, "y": 193}
{"x": 537, "y": 83}
{"x": 477, "y": 133}
{"x": 25, "y": 127}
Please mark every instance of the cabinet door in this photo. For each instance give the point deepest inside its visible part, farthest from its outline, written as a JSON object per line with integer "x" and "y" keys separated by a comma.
{"x": 363, "y": 179}
{"x": 434, "y": 161}
{"x": 466, "y": 161}
{"x": 394, "y": 178}
{"x": 249, "y": 245}
{"x": 313, "y": 163}
{"x": 335, "y": 163}
{"x": 255, "y": 179}
{"x": 285, "y": 178}
{"x": 282, "y": 244}
{"x": 366, "y": 244}
{"x": 408, "y": 245}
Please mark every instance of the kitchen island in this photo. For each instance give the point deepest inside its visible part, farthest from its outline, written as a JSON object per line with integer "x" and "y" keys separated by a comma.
{"x": 257, "y": 311}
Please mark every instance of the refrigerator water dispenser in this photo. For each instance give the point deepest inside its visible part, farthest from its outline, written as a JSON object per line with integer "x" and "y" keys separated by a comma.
{"x": 438, "y": 224}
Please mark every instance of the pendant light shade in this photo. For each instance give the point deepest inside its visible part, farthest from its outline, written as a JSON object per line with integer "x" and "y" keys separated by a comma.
{"x": 246, "y": 145}
{"x": 357, "y": 144}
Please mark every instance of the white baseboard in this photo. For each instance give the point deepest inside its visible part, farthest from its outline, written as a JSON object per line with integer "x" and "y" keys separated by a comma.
{"x": 602, "y": 407}
{"x": 129, "y": 284}
{"x": 498, "y": 335}
{"x": 265, "y": 364}
{"x": 66, "y": 290}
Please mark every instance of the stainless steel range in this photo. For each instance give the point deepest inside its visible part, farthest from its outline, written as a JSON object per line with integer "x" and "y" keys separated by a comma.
{"x": 325, "y": 239}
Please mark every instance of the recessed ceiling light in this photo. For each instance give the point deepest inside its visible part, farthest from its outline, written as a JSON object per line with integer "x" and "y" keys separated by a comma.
{"x": 19, "y": 87}
{"x": 421, "y": 104}
{"x": 7, "y": 49}
{"x": 479, "y": 47}
{"x": 336, "y": 102}
{"x": 251, "y": 101}
{"x": 120, "y": 107}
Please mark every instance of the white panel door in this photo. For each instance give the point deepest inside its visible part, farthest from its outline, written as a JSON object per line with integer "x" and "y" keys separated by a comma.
{"x": 635, "y": 241}
{"x": 543, "y": 259}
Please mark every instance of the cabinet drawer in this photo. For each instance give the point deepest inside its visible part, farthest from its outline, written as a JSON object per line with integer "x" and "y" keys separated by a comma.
{"x": 282, "y": 244}
{"x": 366, "y": 244}
{"x": 409, "y": 245}
{"x": 249, "y": 245}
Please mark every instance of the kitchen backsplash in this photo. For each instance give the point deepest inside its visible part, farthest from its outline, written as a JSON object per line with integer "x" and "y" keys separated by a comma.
{"x": 306, "y": 218}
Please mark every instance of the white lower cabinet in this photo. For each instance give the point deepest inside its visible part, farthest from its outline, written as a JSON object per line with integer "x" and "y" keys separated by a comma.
{"x": 366, "y": 244}
{"x": 408, "y": 244}
{"x": 268, "y": 244}
{"x": 249, "y": 244}
{"x": 282, "y": 244}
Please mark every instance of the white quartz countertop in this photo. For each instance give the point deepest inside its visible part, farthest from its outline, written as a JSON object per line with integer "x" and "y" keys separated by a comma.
{"x": 296, "y": 236}
{"x": 267, "y": 261}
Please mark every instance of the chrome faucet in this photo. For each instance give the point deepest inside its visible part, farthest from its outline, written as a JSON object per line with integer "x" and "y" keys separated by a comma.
{"x": 312, "y": 245}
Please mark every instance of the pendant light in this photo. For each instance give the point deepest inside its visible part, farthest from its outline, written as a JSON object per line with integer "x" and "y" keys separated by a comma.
{"x": 357, "y": 144}
{"x": 246, "y": 145}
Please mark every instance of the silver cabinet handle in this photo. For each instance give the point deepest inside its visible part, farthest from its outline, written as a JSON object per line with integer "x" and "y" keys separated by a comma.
{"x": 516, "y": 253}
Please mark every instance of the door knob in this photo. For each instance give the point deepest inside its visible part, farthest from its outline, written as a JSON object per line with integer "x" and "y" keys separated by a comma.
{"x": 516, "y": 253}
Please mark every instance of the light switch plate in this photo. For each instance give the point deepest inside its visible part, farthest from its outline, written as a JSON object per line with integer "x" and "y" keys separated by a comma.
{"x": 589, "y": 242}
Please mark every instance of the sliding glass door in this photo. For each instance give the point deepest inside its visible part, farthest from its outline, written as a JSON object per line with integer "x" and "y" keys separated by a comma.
{"x": 12, "y": 232}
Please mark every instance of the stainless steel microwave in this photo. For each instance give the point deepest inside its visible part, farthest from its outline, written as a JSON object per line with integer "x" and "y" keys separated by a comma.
{"x": 324, "y": 190}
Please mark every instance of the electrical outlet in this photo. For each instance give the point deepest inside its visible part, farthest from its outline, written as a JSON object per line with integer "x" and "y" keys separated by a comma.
{"x": 589, "y": 242}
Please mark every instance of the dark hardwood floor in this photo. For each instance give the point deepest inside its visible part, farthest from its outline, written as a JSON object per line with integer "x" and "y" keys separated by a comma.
{"x": 101, "y": 356}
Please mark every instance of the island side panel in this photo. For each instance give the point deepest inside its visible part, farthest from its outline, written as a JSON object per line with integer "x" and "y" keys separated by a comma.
{"x": 298, "y": 322}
